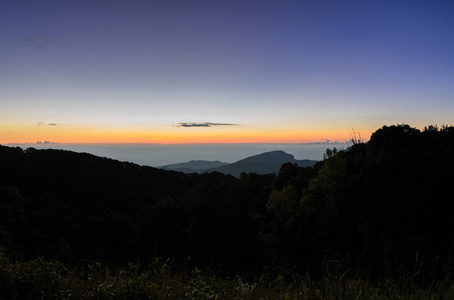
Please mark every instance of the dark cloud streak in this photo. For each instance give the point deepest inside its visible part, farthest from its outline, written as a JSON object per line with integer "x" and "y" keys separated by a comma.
{"x": 40, "y": 41}
{"x": 205, "y": 124}
{"x": 49, "y": 124}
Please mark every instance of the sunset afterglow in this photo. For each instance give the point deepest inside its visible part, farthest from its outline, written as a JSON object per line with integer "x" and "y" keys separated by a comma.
{"x": 221, "y": 71}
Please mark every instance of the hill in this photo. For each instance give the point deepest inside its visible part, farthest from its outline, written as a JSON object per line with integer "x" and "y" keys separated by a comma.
{"x": 265, "y": 163}
{"x": 194, "y": 166}
{"x": 77, "y": 205}
{"x": 375, "y": 210}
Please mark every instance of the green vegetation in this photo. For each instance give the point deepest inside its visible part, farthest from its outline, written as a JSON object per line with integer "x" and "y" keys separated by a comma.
{"x": 372, "y": 221}
{"x": 41, "y": 279}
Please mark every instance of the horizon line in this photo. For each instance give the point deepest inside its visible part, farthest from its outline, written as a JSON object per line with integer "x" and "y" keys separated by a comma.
{"x": 168, "y": 144}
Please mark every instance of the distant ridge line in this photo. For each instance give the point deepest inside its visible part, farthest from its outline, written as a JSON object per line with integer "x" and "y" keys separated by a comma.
{"x": 264, "y": 163}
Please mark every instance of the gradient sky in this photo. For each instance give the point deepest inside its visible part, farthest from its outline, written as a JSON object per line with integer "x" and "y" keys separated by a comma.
{"x": 222, "y": 71}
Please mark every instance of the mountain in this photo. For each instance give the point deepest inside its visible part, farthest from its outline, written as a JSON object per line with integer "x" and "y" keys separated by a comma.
{"x": 268, "y": 162}
{"x": 193, "y": 165}
{"x": 76, "y": 178}
{"x": 265, "y": 163}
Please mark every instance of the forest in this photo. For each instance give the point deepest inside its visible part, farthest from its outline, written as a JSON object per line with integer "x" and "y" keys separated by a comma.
{"x": 377, "y": 214}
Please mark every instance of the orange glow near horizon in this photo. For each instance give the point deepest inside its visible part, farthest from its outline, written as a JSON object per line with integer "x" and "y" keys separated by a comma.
{"x": 62, "y": 135}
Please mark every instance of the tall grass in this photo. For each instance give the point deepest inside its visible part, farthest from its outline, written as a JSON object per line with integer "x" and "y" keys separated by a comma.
{"x": 42, "y": 279}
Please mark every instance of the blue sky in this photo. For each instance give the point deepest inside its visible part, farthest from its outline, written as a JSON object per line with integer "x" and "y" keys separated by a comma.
{"x": 280, "y": 71}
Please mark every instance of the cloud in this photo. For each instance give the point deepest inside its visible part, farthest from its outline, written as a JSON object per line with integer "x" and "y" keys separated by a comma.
{"x": 45, "y": 142}
{"x": 48, "y": 124}
{"x": 40, "y": 41}
{"x": 205, "y": 124}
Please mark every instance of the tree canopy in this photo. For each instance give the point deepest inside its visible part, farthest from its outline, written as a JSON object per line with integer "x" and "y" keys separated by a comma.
{"x": 377, "y": 207}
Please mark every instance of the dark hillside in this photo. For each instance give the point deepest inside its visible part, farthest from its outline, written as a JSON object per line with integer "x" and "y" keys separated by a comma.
{"x": 79, "y": 205}
{"x": 194, "y": 166}
{"x": 84, "y": 178}
{"x": 381, "y": 207}
{"x": 377, "y": 210}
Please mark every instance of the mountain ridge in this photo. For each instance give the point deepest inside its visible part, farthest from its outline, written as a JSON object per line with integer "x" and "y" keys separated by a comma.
{"x": 263, "y": 163}
{"x": 194, "y": 165}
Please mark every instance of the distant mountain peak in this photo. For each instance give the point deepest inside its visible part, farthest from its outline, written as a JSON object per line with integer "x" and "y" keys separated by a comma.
{"x": 264, "y": 163}
{"x": 276, "y": 155}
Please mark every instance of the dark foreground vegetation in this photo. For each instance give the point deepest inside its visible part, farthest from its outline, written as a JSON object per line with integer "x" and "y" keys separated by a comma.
{"x": 373, "y": 221}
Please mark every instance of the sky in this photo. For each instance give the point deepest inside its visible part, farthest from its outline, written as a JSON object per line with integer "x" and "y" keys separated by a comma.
{"x": 194, "y": 71}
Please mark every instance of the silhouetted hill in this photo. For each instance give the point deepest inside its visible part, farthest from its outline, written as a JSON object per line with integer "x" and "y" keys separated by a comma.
{"x": 379, "y": 209}
{"x": 265, "y": 163}
{"x": 194, "y": 165}
{"x": 72, "y": 176}
{"x": 56, "y": 202}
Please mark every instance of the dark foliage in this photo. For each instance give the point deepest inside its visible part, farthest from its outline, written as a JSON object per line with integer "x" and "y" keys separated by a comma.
{"x": 381, "y": 208}
{"x": 78, "y": 206}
